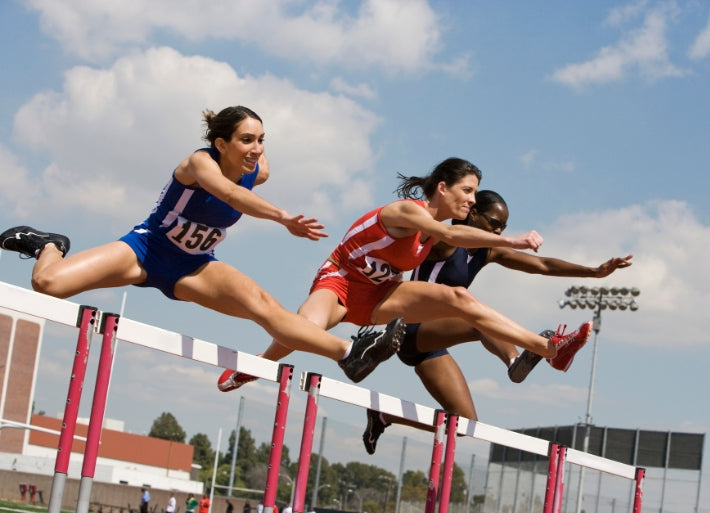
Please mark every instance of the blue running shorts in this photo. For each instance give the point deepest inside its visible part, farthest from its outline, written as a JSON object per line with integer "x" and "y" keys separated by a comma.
{"x": 164, "y": 263}
{"x": 408, "y": 352}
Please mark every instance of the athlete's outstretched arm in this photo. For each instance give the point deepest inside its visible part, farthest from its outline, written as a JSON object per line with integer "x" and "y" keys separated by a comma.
{"x": 403, "y": 217}
{"x": 208, "y": 175}
{"x": 549, "y": 266}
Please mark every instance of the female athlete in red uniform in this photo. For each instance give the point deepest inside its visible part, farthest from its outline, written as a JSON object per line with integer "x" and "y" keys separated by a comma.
{"x": 361, "y": 280}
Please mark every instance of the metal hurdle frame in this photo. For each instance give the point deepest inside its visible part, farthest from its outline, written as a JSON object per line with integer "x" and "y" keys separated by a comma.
{"x": 86, "y": 317}
{"x": 562, "y": 455}
{"x": 436, "y": 456}
{"x": 91, "y": 320}
{"x": 318, "y": 386}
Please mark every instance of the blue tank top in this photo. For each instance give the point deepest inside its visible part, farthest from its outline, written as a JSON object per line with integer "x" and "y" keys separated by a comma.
{"x": 457, "y": 270}
{"x": 190, "y": 217}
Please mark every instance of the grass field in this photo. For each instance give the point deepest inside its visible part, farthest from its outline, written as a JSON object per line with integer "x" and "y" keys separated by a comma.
{"x": 23, "y": 506}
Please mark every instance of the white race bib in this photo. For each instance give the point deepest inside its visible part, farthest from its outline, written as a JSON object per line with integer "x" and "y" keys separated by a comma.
{"x": 195, "y": 238}
{"x": 379, "y": 271}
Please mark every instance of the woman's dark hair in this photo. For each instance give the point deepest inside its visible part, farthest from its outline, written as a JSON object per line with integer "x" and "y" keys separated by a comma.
{"x": 449, "y": 171}
{"x": 484, "y": 200}
{"x": 225, "y": 123}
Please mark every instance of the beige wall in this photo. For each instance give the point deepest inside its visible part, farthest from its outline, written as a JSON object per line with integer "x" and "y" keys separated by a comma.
{"x": 112, "y": 497}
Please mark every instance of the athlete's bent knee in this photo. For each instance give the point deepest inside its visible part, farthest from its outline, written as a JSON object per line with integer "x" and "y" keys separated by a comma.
{"x": 461, "y": 294}
{"x": 47, "y": 284}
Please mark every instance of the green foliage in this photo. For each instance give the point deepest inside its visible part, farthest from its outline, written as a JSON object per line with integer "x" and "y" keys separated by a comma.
{"x": 203, "y": 454}
{"x": 459, "y": 486}
{"x": 166, "y": 427}
{"x": 414, "y": 486}
{"x": 348, "y": 485}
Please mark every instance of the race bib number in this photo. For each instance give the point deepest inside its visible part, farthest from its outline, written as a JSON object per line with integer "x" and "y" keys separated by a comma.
{"x": 379, "y": 271}
{"x": 195, "y": 238}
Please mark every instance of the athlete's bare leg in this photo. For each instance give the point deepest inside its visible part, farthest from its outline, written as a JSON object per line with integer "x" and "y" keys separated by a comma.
{"x": 223, "y": 288}
{"x": 423, "y": 301}
{"x": 445, "y": 333}
{"x": 111, "y": 265}
{"x": 443, "y": 379}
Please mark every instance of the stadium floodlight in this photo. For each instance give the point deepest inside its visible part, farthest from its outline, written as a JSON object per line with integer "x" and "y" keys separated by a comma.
{"x": 597, "y": 299}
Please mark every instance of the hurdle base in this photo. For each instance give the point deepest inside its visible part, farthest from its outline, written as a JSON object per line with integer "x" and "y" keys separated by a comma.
{"x": 57, "y": 493}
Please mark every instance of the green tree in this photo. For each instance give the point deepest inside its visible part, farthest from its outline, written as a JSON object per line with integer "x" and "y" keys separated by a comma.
{"x": 263, "y": 454}
{"x": 246, "y": 456}
{"x": 166, "y": 427}
{"x": 414, "y": 486}
{"x": 459, "y": 486}
{"x": 327, "y": 482}
{"x": 203, "y": 454}
{"x": 246, "y": 450}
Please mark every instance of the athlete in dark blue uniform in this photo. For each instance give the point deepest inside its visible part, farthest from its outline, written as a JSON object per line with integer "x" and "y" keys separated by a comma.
{"x": 459, "y": 269}
{"x": 424, "y": 345}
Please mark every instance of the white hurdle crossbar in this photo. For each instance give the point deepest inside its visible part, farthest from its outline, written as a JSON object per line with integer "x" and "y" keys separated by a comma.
{"x": 539, "y": 446}
{"x": 319, "y": 386}
{"x": 69, "y": 314}
{"x": 89, "y": 320}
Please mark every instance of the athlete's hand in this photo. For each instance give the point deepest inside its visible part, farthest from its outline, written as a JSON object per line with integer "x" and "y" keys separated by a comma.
{"x": 612, "y": 265}
{"x": 301, "y": 227}
{"x": 530, "y": 240}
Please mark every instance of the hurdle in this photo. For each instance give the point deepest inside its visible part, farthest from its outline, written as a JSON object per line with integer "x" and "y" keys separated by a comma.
{"x": 318, "y": 386}
{"x": 563, "y": 454}
{"x": 89, "y": 320}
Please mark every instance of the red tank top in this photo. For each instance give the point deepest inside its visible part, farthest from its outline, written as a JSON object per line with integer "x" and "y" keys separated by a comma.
{"x": 368, "y": 253}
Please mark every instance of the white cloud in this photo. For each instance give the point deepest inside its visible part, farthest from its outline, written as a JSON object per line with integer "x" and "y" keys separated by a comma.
{"x": 624, "y": 13}
{"x": 114, "y": 135}
{"x": 566, "y": 166}
{"x": 701, "y": 45}
{"x": 528, "y": 158}
{"x": 359, "y": 90}
{"x": 665, "y": 238}
{"x": 531, "y": 158}
{"x": 554, "y": 394}
{"x": 643, "y": 50}
{"x": 18, "y": 194}
{"x": 394, "y": 35}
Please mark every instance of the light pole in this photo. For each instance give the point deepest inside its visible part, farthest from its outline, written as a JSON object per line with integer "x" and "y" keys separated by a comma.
{"x": 317, "y": 493}
{"x": 597, "y": 299}
{"x": 293, "y": 486}
{"x": 354, "y": 492}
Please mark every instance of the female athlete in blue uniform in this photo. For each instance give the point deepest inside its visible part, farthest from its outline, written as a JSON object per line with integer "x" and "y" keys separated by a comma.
{"x": 173, "y": 249}
{"x": 425, "y": 345}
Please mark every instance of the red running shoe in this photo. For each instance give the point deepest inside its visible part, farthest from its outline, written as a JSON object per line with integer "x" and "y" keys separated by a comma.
{"x": 567, "y": 345}
{"x": 231, "y": 380}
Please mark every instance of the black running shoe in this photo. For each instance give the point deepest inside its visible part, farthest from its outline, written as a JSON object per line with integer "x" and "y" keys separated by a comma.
{"x": 523, "y": 364}
{"x": 375, "y": 427}
{"x": 30, "y": 242}
{"x": 370, "y": 348}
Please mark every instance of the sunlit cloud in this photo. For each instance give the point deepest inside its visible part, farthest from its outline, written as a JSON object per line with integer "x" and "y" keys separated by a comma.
{"x": 113, "y": 136}
{"x": 663, "y": 236}
{"x": 393, "y": 35}
{"x": 701, "y": 46}
{"x": 642, "y": 50}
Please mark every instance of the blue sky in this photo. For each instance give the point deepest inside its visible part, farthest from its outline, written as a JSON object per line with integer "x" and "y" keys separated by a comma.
{"x": 591, "y": 119}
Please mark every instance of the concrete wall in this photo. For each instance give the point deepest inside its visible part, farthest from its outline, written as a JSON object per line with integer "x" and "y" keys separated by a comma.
{"x": 113, "y": 498}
